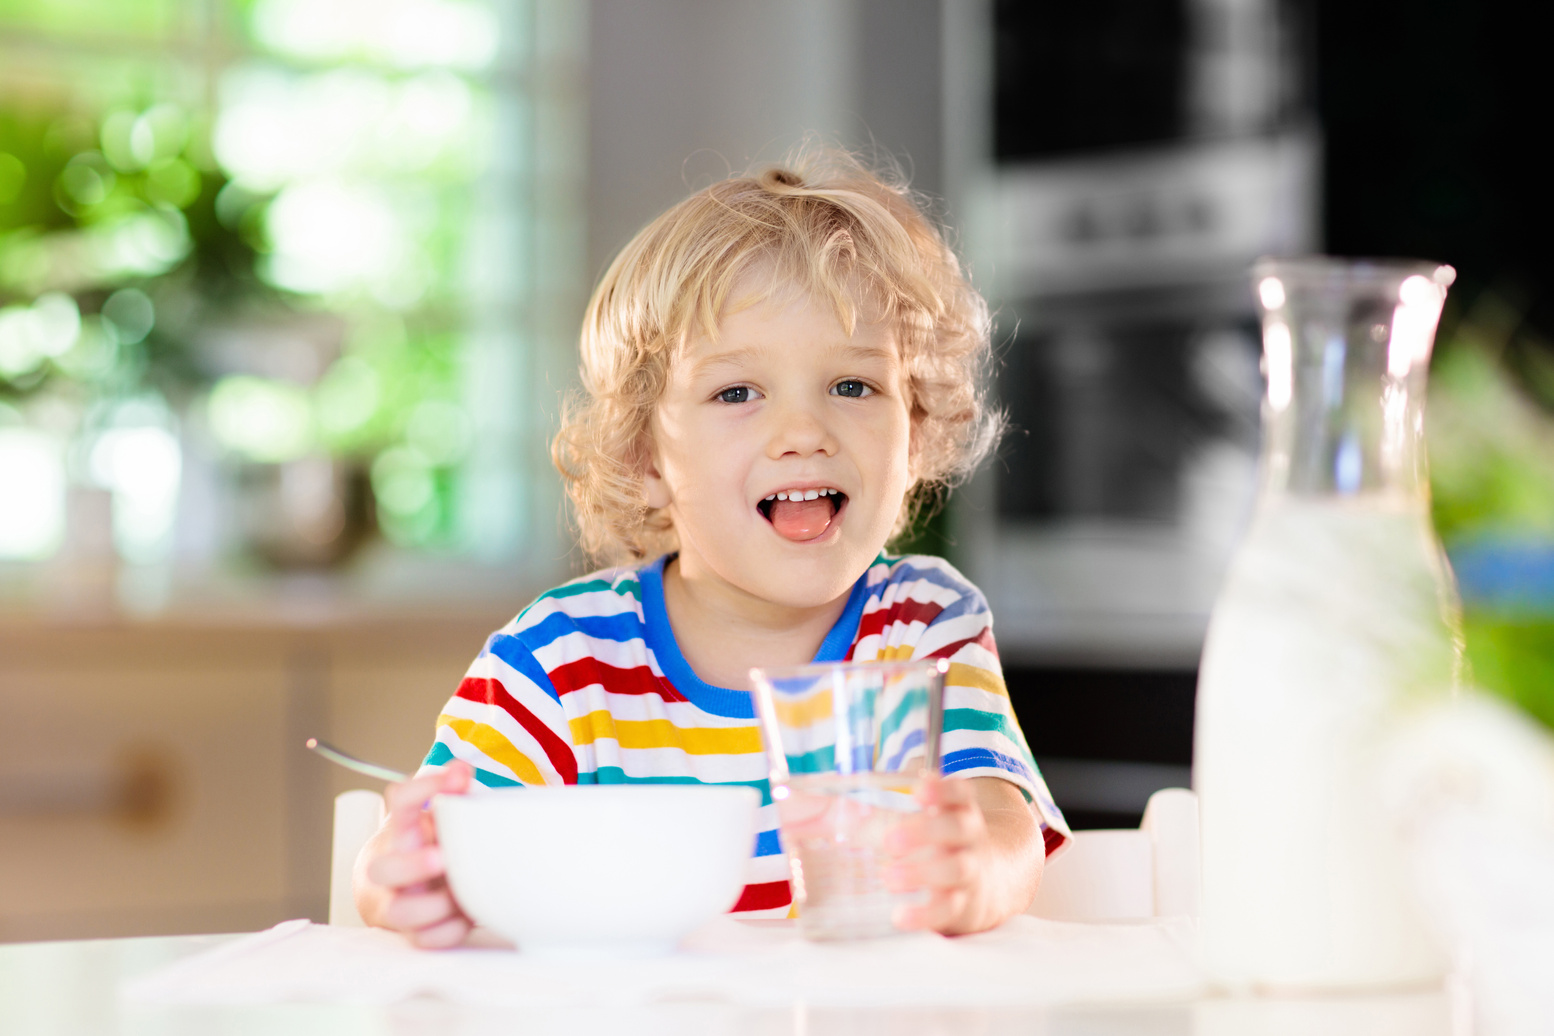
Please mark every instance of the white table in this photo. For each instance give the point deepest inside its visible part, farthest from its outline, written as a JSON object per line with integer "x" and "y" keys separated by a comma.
{"x": 71, "y": 989}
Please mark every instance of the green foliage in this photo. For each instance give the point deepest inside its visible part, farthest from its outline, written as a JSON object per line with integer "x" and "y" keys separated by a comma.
{"x": 1514, "y": 657}
{"x": 123, "y": 238}
{"x": 1491, "y": 442}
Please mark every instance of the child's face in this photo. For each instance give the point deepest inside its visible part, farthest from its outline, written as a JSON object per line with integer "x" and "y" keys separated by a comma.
{"x": 785, "y": 401}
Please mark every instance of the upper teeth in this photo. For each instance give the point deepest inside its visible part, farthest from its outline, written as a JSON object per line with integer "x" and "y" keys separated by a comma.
{"x": 804, "y": 494}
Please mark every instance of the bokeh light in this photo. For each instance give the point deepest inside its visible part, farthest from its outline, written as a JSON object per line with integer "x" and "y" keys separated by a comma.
{"x": 312, "y": 179}
{"x": 330, "y": 237}
{"x": 131, "y": 314}
{"x": 439, "y": 431}
{"x": 404, "y": 34}
{"x": 263, "y": 420}
{"x": 142, "y": 466}
{"x": 32, "y": 522}
{"x": 405, "y": 486}
{"x": 346, "y": 398}
{"x": 29, "y": 335}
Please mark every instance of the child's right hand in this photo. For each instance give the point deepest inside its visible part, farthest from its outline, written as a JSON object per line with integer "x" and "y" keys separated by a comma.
{"x": 400, "y": 882}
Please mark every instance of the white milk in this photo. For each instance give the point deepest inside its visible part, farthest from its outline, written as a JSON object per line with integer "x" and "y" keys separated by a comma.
{"x": 1331, "y": 624}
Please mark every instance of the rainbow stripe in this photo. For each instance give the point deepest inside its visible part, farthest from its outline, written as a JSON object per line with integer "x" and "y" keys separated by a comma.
{"x": 587, "y": 686}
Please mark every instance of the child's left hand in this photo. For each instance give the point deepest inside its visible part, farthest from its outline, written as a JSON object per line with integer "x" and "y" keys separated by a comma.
{"x": 975, "y": 848}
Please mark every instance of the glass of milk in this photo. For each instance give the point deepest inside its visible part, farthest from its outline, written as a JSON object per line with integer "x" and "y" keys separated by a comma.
{"x": 1336, "y": 619}
{"x": 848, "y": 746}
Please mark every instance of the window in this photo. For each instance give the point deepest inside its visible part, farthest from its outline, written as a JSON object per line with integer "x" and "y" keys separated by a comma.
{"x": 277, "y": 273}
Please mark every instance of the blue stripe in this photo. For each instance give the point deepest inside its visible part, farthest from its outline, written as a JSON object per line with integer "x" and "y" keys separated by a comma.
{"x": 511, "y": 649}
{"x": 913, "y": 740}
{"x": 902, "y": 571}
{"x": 993, "y": 722}
{"x": 441, "y": 755}
{"x": 768, "y": 844}
{"x": 971, "y": 758}
{"x": 723, "y": 701}
{"x": 622, "y": 627}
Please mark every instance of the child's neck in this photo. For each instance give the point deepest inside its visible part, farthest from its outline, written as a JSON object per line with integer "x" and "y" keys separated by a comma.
{"x": 722, "y": 630}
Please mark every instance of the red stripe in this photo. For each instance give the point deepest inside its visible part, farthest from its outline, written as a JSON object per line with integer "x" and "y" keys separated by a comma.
{"x": 983, "y": 640}
{"x": 587, "y": 671}
{"x": 764, "y": 896}
{"x": 1051, "y": 837}
{"x": 489, "y": 691}
{"x": 905, "y": 612}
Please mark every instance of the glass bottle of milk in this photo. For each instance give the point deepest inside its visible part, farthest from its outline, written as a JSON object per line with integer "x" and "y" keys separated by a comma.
{"x": 1338, "y": 615}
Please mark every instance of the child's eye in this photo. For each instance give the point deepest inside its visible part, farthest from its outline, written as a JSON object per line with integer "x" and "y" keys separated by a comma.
{"x": 851, "y": 387}
{"x": 737, "y": 394}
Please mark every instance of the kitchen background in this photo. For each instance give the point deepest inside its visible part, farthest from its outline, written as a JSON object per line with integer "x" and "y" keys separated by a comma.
{"x": 288, "y": 294}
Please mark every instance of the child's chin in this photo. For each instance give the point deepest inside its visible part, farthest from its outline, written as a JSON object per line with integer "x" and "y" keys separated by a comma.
{"x": 809, "y": 582}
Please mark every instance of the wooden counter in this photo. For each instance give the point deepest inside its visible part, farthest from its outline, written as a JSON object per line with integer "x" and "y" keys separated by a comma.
{"x": 152, "y": 773}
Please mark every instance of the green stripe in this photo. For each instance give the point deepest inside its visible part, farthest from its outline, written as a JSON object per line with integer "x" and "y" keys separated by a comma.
{"x": 625, "y": 588}
{"x": 615, "y": 775}
{"x": 979, "y": 719}
{"x": 440, "y": 755}
{"x": 821, "y": 760}
{"x": 913, "y": 701}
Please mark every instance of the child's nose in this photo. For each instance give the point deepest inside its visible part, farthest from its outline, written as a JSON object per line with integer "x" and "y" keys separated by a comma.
{"x": 799, "y": 429}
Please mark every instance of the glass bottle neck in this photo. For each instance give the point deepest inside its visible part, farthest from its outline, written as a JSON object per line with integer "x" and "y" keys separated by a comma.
{"x": 1346, "y": 351}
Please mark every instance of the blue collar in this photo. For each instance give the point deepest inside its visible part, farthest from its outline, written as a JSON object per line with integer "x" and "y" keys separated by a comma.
{"x": 722, "y": 701}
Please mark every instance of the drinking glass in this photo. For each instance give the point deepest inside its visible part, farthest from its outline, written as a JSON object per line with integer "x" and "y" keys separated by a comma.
{"x": 848, "y": 746}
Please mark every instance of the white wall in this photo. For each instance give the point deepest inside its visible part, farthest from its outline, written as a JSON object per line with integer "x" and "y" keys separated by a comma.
{"x": 681, "y": 92}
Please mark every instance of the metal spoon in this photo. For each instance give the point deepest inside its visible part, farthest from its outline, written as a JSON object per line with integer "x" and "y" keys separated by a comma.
{"x": 350, "y": 762}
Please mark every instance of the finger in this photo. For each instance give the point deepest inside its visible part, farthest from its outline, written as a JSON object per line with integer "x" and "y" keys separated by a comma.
{"x": 939, "y": 791}
{"x": 459, "y": 777}
{"x": 407, "y": 816}
{"x": 406, "y": 799}
{"x": 940, "y": 912}
{"x": 902, "y": 876}
{"x": 411, "y": 911}
{"x": 401, "y": 870}
{"x": 443, "y": 935}
{"x": 908, "y": 835}
{"x": 452, "y": 779}
{"x": 944, "y": 870}
{"x": 958, "y": 828}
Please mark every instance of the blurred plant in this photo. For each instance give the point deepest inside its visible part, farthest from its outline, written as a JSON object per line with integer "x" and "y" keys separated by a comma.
{"x": 1491, "y": 432}
{"x": 109, "y": 243}
{"x": 283, "y": 270}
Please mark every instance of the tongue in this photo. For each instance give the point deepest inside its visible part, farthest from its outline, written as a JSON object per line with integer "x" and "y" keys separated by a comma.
{"x": 801, "y": 519}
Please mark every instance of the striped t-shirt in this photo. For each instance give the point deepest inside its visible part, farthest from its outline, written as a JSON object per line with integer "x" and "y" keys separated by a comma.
{"x": 587, "y": 686}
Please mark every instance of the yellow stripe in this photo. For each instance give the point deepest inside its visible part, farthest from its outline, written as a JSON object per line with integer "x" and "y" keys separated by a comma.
{"x": 963, "y": 675}
{"x": 660, "y": 733}
{"x": 804, "y": 712}
{"x": 491, "y": 741}
{"x": 899, "y": 653}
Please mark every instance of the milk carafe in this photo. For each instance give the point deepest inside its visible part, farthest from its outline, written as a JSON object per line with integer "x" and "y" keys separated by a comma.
{"x": 1336, "y": 618}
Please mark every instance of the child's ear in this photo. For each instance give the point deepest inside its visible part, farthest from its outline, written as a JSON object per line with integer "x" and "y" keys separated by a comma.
{"x": 654, "y": 488}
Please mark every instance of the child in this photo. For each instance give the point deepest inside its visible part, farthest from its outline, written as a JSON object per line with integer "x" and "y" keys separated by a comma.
{"x": 776, "y": 371}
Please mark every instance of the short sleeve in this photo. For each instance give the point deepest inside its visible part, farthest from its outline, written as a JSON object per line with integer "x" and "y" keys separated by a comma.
{"x": 506, "y": 720}
{"x": 981, "y": 736}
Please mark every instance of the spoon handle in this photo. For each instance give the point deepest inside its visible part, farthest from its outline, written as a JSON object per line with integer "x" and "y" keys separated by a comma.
{"x": 350, "y": 762}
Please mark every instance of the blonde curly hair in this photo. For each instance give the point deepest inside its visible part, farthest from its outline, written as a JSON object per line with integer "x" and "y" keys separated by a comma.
{"x": 822, "y": 223}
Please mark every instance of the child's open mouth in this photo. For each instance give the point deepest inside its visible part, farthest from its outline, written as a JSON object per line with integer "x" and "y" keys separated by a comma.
{"x": 802, "y": 514}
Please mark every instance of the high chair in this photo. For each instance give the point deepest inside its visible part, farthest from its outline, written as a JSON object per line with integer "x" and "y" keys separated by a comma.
{"x": 1152, "y": 871}
{"x": 358, "y": 815}
{"x": 1123, "y": 875}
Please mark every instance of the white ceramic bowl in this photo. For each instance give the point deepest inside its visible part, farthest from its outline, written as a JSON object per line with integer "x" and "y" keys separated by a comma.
{"x": 625, "y": 869}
